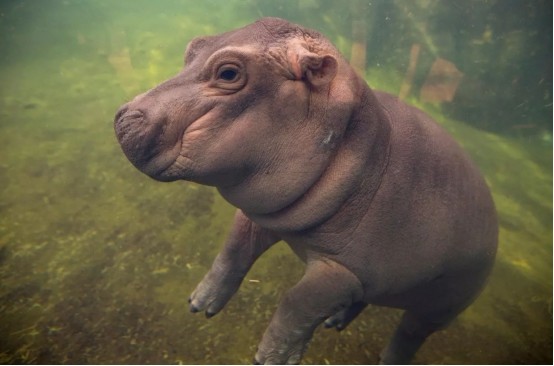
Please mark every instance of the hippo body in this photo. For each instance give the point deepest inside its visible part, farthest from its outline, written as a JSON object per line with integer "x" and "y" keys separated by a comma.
{"x": 378, "y": 201}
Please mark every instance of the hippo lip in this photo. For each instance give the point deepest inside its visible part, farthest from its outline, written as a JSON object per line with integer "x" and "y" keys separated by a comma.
{"x": 161, "y": 167}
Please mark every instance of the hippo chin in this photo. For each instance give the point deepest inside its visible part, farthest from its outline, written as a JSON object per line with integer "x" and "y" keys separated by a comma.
{"x": 378, "y": 201}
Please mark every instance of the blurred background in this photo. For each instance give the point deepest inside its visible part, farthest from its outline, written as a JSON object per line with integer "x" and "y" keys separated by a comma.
{"x": 97, "y": 260}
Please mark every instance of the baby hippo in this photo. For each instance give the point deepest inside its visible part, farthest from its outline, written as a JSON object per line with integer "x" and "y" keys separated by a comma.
{"x": 378, "y": 201}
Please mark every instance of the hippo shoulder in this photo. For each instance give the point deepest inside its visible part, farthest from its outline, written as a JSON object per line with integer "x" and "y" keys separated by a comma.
{"x": 414, "y": 129}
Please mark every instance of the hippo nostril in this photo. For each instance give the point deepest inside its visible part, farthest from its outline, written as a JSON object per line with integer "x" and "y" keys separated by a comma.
{"x": 128, "y": 115}
{"x": 121, "y": 112}
{"x": 134, "y": 115}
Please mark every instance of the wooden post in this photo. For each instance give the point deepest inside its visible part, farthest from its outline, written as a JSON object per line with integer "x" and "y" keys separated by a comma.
{"x": 359, "y": 38}
{"x": 409, "y": 77}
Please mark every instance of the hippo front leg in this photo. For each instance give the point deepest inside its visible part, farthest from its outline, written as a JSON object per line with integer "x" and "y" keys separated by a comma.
{"x": 244, "y": 245}
{"x": 326, "y": 289}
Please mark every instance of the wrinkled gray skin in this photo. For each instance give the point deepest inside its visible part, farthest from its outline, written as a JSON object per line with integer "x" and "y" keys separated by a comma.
{"x": 382, "y": 205}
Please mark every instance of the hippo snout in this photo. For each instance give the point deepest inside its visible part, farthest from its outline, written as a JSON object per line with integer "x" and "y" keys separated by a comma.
{"x": 150, "y": 138}
{"x": 139, "y": 137}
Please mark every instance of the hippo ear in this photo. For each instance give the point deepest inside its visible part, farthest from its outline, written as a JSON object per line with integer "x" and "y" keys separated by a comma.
{"x": 318, "y": 70}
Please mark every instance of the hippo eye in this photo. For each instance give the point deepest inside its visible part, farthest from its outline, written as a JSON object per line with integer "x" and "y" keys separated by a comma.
{"x": 228, "y": 73}
{"x": 229, "y": 78}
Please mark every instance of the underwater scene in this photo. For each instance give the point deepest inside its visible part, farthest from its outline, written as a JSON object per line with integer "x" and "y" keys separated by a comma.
{"x": 97, "y": 260}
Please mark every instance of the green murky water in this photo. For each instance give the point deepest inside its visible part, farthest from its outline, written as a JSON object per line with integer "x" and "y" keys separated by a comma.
{"x": 97, "y": 260}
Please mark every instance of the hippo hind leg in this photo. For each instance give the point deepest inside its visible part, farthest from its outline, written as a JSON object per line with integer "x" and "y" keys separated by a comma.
{"x": 434, "y": 307}
{"x": 410, "y": 335}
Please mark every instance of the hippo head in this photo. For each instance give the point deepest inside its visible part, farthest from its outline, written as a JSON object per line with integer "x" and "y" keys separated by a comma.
{"x": 256, "y": 112}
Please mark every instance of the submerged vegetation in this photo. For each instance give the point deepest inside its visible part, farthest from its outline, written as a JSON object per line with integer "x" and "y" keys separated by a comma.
{"x": 97, "y": 260}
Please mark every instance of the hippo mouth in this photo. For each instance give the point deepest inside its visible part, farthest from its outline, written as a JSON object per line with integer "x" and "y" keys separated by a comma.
{"x": 144, "y": 143}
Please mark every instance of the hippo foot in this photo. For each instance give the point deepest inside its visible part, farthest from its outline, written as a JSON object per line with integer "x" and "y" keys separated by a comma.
{"x": 288, "y": 353}
{"x": 213, "y": 293}
{"x": 282, "y": 345}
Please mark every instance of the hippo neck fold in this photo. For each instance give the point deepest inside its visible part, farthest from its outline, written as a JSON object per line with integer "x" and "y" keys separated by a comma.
{"x": 345, "y": 183}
